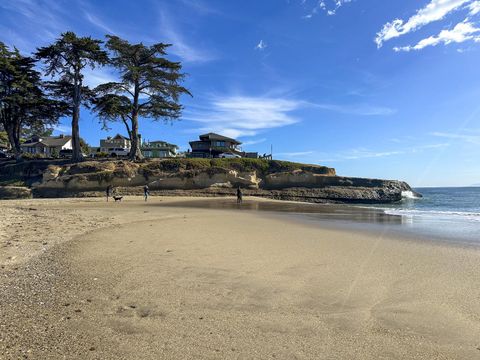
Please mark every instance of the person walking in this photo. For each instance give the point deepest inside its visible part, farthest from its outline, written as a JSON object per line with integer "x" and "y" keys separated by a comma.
{"x": 146, "y": 192}
{"x": 239, "y": 195}
{"x": 109, "y": 191}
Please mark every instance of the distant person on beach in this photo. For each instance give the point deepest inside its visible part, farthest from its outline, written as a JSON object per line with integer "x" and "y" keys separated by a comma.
{"x": 146, "y": 192}
{"x": 109, "y": 191}
{"x": 239, "y": 195}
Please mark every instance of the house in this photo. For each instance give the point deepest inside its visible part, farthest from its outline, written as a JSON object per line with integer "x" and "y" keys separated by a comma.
{"x": 117, "y": 142}
{"x": 212, "y": 145}
{"x": 159, "y": 149}
{"x": 47, "y": 145}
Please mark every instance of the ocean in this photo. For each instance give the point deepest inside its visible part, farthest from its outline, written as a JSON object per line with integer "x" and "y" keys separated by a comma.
{"x": 448, "y": 213}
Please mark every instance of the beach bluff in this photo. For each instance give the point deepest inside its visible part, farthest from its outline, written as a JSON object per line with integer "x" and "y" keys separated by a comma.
{"x": 195, "y": 177}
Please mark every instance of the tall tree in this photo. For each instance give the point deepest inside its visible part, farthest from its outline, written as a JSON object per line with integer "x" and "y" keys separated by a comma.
{"x": 66, "y": 59}
{"x": 149, "y": 87}
{"x": 24, "y": 106}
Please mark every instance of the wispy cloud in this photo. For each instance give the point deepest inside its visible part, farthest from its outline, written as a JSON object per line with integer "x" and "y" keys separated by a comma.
{"x": 435, "y": 10}
{"x": 248, "y": 115}
{"x": 200, "y": 7}
{"x": 96, "y": 21}
{"x": 35, "y": 21}
{"x": 330, "y": 7}
{"x": 261, "y": 45}
{"x": 181, "y": 47}
{"x": 243, "y": 115}
{"x": 62, "y": 129}
{"x": 357, "y": 109}
{"x": 97, "y": 76}
{"x": 295, "y": 154}
{"x": 469, "y": 138}
{"x": 365, "y": 153}
{"x": 254, "y": 142}
{"x": 461, "y": 32}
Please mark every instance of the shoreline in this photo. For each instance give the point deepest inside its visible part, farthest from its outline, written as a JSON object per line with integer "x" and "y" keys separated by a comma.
{"x": 155, "y": 281}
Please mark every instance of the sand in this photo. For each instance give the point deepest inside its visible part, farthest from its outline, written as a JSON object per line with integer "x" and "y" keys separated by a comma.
{"x": 83, "y": 279}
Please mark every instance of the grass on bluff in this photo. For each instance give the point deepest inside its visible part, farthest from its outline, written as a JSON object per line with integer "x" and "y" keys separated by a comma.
{"x": 261, "y": 166}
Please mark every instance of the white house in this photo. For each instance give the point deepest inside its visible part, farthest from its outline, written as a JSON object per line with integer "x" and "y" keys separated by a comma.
{"x": 47, "y": 145}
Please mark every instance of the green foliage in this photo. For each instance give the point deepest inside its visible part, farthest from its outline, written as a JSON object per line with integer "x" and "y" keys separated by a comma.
{"x": 149, "y": 87}
{"x": 261, "y": 166}
{"x": 54, "y": 153}
{"x": 65, "y": 60}
{"x": 24, "y": 105}
{"x": 84, "y": 146}
{"x": 29, "y": 156}
{"x": 101, "y": 154}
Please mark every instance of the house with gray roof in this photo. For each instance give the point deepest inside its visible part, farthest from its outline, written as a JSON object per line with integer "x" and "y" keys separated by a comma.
{"x": 47, "y": 145}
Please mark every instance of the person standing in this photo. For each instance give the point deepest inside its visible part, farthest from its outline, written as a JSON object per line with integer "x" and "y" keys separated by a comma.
{"x": 239, "y": 195}
{"x": 146, "y": 192}
{"x": 109, "y": 191}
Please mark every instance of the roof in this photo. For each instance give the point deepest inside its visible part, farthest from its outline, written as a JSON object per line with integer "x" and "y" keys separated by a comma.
{"x": 159, "y": 142}
{"x": 48, "y": 141}
{"x": 121, "y": 137}
{"x": 213, "y": 136}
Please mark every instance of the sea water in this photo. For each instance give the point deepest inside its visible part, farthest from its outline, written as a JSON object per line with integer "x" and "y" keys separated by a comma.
{"x": 446, "y": 212}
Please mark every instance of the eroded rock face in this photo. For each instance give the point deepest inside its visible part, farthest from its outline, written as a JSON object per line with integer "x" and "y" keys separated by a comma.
{"x": 15, "y": 192}
{"x": 309, "y": 183}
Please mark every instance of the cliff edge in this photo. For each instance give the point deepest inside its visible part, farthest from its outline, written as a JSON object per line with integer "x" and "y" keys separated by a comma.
{"x": 210, "y": 177}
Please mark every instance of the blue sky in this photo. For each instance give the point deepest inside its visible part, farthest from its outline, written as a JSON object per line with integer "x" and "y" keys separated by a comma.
{"x": 374, "y": 88}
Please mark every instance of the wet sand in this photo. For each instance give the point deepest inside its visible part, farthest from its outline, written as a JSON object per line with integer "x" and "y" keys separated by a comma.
{"x": 151, "y": 281}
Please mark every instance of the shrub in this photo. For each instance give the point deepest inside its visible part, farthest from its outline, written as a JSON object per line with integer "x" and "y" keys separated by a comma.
{"x": 29, "y": 156}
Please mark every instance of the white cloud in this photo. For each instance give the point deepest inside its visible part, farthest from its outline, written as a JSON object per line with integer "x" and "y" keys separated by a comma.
{"x": 261, "y": 45}
{"x": 238, "y": 116}
{"x": 62, "y": 129}
{"x": 330, "y": 7}
{"x": 247, "y": 116}
{"x": 181, "y": 47}
{"x": 474, "y": 8}
{"x": 461, "y": 32}
{"x": 295, "y": 154}
{"x": 254, "y": 142}
{"x": 434, "y": 11}
{"x": 97, "y": 76}
{"x": 469, "y": 138}
{"x": 364, "y": 153}
{"x": 358, "y": 109}
{"x": 94, "y": 20}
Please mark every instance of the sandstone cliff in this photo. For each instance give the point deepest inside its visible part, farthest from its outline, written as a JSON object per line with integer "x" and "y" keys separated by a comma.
{"x": 272, "y": 179}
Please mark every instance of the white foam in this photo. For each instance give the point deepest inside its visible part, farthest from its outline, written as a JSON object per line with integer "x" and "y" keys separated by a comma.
{"x": 409, "y": 195}
{"x": 445, "y": 215}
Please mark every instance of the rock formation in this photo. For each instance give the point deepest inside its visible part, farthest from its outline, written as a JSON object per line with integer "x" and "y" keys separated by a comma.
{"x": 216, "y": 177}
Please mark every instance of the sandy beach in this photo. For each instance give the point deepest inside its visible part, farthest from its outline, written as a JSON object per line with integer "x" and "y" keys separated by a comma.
{"x": 86, "y": 279}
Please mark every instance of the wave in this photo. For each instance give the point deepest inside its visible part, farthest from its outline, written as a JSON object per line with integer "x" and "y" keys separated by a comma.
{"x": 435, "y": 214}
{"x": 409, "y": 195}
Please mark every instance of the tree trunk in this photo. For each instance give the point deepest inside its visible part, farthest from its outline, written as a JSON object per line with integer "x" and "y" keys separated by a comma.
{"x": 76, "y": 148}
{"x": 14, "y": 140}
{"x": 135, "y": 152}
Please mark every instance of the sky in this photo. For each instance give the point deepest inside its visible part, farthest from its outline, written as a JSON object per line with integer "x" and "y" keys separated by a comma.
{"x": 373, "y": 88}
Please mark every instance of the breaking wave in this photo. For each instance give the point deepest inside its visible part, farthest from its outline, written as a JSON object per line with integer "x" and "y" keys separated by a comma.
{"x": 432, "y": 214}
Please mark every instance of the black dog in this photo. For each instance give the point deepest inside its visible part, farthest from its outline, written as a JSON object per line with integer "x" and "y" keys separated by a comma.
{"x": 117, "y": 198}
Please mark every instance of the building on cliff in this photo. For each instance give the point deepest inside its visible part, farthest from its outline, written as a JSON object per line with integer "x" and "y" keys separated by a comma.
{"x": 159, "y": 149}
{"x": 112, "y": 144}
{"x": 213, "y": 145}
{"x": 48, "y": 145}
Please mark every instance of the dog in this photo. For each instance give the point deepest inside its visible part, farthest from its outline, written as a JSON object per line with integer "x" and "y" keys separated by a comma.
{"x": 117, "y": 198}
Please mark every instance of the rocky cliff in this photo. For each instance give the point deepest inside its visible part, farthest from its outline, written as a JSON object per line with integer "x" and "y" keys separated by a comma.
{"x": 216, "y": 177}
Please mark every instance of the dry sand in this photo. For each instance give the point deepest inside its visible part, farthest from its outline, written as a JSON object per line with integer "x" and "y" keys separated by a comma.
{"x": 83, "y": 279}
